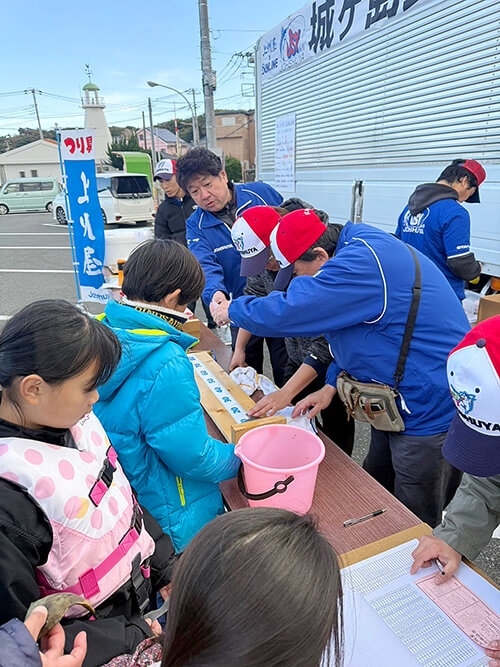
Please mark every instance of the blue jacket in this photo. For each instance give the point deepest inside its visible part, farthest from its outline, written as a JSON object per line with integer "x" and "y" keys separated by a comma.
{"x": 442, "y": 232}
{"x": 17, "y": 646}
{"x": 359, "y": 300}
{"x": 209, "y": 239}
{"x": 151, "y": 411}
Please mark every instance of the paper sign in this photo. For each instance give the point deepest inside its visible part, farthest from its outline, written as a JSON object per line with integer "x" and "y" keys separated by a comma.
{"x": 464, "y": 608}
{"x": 284, "y": 154}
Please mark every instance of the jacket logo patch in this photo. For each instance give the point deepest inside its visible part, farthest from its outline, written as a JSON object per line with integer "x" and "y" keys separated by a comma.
{"x": 415, "y": 224}
{"x": 223, "y": 247}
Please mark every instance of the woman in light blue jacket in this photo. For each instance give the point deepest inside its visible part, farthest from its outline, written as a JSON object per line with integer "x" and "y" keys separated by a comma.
{"x": 151, "y": 407}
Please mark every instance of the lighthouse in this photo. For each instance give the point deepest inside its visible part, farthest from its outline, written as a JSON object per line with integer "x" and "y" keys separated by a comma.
{"x": 95, "y": 119}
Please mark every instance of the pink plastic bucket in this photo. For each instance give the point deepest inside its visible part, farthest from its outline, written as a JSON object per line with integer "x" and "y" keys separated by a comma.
{"x": 280, "y": 463}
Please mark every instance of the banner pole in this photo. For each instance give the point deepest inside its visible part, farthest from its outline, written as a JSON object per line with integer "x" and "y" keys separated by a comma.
{"x": 70, "y": 223}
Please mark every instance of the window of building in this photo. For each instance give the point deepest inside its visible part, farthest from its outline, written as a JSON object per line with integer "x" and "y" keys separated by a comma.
{"x": 34, "y": 173}
{"x": 22, "y": 174}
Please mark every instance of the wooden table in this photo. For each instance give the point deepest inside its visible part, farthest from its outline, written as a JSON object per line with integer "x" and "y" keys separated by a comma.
{"x": 343, "y": 489}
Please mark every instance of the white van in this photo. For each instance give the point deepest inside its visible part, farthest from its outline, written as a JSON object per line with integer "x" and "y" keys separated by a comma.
{"x": 124, "y": 198}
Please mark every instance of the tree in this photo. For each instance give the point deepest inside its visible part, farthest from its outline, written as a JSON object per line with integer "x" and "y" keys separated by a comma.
{"x": 233, "y": 169}
{"x": 122, "y": 145}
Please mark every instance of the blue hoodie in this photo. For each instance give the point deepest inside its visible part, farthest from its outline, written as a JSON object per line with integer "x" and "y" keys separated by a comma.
{"x": 151, "y": 411}
{"x": 359, "y": 300}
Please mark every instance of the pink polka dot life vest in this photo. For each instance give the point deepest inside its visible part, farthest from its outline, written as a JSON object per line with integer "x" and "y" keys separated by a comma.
{"x": 98, "y": 532}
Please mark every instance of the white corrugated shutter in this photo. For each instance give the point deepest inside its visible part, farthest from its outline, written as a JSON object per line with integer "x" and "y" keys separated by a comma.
{"x": 425, "y": 90}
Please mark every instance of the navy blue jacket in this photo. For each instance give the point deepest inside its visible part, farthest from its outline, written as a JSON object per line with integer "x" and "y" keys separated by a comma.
{"x": 17, "y": 646}
{"x": 359, "y": 300}
{"x": 209, "y": 239}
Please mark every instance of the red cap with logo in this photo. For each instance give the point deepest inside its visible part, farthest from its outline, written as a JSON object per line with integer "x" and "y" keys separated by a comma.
{"x": 251, "y": 236}
{"x": 473, "y": 440}
{"x": 296, "y": 233}
{"x": 165, "y": 169}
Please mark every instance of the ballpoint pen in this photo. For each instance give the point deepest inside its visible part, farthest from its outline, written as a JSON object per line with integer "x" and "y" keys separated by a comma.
{"x": 352, "y": 522}
{"x": 439, "y": 566}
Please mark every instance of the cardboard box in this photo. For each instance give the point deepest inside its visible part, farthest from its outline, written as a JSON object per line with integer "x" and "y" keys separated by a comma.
{"x": 489, "y": 306}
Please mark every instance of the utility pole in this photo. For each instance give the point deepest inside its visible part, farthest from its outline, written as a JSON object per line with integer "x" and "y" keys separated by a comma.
{"x": 196, "y": 130}
{"x": 177, "y": 138}
{"x": 153, "y": 148}
{"x": 209, "y": 84}
{"x": 144, "y": 129}
{"x": 32, "y": 90}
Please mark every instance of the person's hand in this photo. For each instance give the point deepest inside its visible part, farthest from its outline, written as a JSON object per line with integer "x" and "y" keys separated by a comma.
{"x": 429, "y": 548}
{"x": 218, "y": 298}
{"x": 221, "y": 314}
{"x": 269, "y": 405}
{"x": 312, "y": 405}
{"x": 237, "y": 360}
{"x": 494, "y": 652}
{"x": 52, "y": 645}
{"x": 156, "y": 628}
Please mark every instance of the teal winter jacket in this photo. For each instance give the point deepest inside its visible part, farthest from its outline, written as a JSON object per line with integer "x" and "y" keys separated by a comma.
{"x": 151, "y": 410}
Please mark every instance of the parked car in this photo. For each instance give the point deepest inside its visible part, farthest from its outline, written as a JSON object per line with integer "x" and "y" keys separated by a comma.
{"x": 124, "y": 198}
{"x": 28, "y": 194}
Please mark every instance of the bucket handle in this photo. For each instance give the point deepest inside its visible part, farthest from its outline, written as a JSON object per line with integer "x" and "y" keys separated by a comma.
{"x": 279, "y": 487}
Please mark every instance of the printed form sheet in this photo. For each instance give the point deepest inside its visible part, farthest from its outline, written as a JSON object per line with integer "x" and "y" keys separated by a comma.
{"x": 408, "y": 621}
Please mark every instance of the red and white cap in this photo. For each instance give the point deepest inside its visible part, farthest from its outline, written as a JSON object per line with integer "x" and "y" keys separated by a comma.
{"x": 473, "y": 440}
{"x": 165, "y": 169}
{"x": 296, "y": 233}
{"x": 250, "y": 234}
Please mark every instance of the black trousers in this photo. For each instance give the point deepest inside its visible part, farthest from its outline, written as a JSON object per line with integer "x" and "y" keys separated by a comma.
{"x": 334, "y": 418}
{"x": 254, "y": 354}
{"x": 414, "y": 470}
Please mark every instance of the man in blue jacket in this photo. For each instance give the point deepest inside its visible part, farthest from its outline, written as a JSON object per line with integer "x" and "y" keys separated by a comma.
{"x": 208, "y": 231}
{"x": 436, "y": 224}
{"x": 354, "y": 285}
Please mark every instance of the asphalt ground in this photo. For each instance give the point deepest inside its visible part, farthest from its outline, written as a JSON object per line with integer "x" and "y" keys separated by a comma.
{"x": 35, "y": 263}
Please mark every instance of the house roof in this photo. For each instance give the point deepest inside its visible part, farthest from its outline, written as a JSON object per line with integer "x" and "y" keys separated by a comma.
{"x": 167, "y": 136}
{"x": 21, "y": 151}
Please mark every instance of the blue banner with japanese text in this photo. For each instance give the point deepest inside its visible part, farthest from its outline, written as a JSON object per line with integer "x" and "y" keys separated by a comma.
{"x": 84, "y": 211}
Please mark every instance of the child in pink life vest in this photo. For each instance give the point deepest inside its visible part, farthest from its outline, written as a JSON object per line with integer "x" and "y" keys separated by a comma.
{"x": 69, "y": 521}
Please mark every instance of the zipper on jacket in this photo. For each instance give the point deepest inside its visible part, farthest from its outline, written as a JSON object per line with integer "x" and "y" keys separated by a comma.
{"x": 180, "y": 488}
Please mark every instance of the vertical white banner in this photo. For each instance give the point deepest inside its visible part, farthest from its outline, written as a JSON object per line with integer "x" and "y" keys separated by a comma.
{"x": 284, "y": 154}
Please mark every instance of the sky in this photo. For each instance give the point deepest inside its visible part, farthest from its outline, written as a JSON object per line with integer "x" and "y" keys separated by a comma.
{"x": 46, "y": 44}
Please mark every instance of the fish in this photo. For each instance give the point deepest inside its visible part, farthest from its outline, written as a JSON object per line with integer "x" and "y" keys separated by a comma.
{"x": 57, "y": 605}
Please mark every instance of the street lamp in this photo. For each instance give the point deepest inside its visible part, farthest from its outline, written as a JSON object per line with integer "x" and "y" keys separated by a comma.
{"x": 196, "y": 137}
